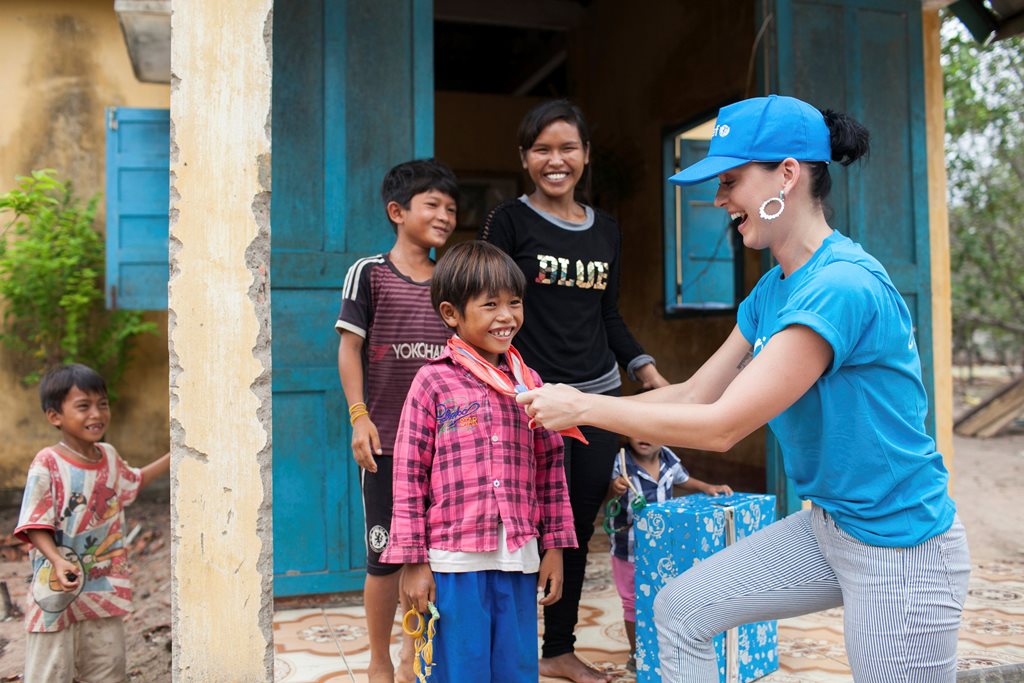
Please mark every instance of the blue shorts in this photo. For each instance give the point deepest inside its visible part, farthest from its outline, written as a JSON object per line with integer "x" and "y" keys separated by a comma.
{"x": 488, "y": 624}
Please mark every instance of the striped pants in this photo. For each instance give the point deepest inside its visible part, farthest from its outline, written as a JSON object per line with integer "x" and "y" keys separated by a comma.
{"x": 901, "y": 605}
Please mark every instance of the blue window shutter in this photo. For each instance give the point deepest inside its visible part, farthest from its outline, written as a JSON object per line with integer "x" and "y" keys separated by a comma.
{"x": 138, "y": 197}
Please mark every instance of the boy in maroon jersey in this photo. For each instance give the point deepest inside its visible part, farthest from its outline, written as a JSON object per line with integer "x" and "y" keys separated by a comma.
{"x": 388, "y": 329}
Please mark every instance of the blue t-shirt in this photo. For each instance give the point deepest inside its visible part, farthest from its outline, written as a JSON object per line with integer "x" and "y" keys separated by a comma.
{"x": 855, "y": 443}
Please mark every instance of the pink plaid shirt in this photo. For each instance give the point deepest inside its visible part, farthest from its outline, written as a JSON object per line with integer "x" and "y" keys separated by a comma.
{"x": 465, "y": 460}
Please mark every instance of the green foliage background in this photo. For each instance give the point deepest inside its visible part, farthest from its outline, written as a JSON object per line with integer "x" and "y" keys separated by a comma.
{"x": 51, "y": 284}
{"x": 984, "y": 90}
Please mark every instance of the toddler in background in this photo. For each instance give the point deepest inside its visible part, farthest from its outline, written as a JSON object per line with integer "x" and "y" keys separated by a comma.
{"x": 656, "y": 472}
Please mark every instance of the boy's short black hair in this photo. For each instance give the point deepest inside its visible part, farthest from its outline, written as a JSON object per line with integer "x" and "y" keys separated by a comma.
{"x": 473, "y": 268}
{"x": 408, "y": 179}
{"x": 58, "y": 381}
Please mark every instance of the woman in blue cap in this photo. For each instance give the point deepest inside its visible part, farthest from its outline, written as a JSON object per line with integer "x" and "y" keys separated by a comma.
{"x": 824, "y": 352}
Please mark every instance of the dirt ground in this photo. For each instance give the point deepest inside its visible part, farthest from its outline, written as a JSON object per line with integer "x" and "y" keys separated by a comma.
{"x": 988, "y": 482}
{"x": 988, "y": 479}
{"x": 148, "y": 630}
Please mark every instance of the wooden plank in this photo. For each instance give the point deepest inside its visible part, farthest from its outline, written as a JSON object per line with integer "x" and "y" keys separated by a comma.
{"x": 994, "y": 413}
{"x": 997, "y": 426}
{"x": 938, "y": 231}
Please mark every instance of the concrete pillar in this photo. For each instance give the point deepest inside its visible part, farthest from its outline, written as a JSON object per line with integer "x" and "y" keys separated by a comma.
{"x": 219, "y": 330}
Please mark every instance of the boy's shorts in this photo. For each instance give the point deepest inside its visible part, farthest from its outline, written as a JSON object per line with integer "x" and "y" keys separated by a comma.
{"x": 90, "y": 650}
{"x": 377, "y": 504}
{"x": 488, "y": 626}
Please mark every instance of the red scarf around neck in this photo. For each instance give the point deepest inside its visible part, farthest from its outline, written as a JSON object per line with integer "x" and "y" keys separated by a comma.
{"x": 466, "y": 356}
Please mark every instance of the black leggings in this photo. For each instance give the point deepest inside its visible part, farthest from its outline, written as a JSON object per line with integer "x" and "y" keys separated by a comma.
{"x": 588, "y": 471}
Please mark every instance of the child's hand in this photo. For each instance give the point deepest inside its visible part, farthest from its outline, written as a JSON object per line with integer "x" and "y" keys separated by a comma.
{"x": 417, "y": 586}
{"x": 619, "y": 486}
{"x": 63, "y": 569}
{"x": 550, "y": 577}
{"x": 718, "y": 490}
{"x": 365, "y": 443}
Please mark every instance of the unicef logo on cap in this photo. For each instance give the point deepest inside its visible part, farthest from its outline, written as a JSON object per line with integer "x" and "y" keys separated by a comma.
{"x": 767, "y": 129}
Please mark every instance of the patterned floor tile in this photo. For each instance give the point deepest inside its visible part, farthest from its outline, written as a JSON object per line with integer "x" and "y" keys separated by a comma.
{"x": 313, "y": 645}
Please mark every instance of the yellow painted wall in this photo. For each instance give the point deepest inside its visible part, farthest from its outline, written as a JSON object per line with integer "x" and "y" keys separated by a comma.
{"x": 61, "y": 63}
{"x": 219, "y": 309}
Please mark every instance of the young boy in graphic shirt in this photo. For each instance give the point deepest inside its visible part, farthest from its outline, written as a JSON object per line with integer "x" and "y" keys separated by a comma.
{"x": 73, "y": 514}
{"x": 388, "y": 330}
{"x": 481, "y": 506}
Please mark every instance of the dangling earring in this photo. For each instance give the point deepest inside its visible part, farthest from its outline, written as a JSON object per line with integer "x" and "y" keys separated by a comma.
{"x": 764, "y": 205}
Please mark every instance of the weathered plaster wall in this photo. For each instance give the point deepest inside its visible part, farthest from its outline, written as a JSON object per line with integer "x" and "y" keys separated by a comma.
{"x": 636, "y": 83}
{"x": 219, "y": 308}
{"x": 64, "y": 61}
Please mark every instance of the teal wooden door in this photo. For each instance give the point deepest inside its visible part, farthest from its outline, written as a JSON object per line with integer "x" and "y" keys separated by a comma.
{"x": 865, "y": 57}
{"x": 352, "y": 96}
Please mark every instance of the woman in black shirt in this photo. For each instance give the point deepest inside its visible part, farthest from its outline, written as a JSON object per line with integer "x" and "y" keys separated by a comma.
{"x": 572, "y": 332}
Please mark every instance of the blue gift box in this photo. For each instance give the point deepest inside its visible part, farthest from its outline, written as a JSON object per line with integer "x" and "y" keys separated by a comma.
{"x": 673, "y": 536}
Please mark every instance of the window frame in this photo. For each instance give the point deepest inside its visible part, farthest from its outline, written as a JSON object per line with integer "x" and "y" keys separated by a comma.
{"x": 673, "y": 227}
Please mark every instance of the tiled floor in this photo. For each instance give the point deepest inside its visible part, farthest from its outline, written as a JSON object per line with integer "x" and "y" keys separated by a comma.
{"x": 322, "y": 644}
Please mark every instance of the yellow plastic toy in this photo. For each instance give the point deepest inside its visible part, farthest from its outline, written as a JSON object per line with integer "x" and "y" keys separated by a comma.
{"x": 424, "y": 660}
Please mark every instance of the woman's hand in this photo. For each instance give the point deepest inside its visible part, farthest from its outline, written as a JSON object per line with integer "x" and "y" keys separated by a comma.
{"x": 549, "y": 579}
{"x": 650, "y": 377}
{"x": 554, "y": 406}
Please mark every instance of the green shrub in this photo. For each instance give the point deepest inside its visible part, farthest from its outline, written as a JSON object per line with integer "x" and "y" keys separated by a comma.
{"x": 51, "y": 284}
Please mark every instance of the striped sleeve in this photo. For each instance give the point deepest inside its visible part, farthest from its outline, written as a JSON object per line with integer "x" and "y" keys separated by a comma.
{"x": 356, "y": 298}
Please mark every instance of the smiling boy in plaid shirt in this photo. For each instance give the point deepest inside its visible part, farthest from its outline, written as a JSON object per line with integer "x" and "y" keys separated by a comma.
{"x": 481, "y": 507}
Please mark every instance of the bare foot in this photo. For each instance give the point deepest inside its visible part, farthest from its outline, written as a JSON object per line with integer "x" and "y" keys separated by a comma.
{"x": 380, "y": 674}
{"x": 572, "y": 667}
{"x": 405, "y": 674}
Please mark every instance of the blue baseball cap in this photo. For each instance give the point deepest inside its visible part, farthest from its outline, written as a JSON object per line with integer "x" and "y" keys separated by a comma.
{"x": 761, "y": 129}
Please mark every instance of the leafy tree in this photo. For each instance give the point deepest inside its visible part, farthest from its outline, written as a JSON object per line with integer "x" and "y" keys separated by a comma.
{"x": 984, "y": 90}
{"x": 51, "y": 284}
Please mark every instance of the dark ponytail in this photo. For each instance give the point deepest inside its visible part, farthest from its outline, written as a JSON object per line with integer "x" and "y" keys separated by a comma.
{"x": 849, "y": 140}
